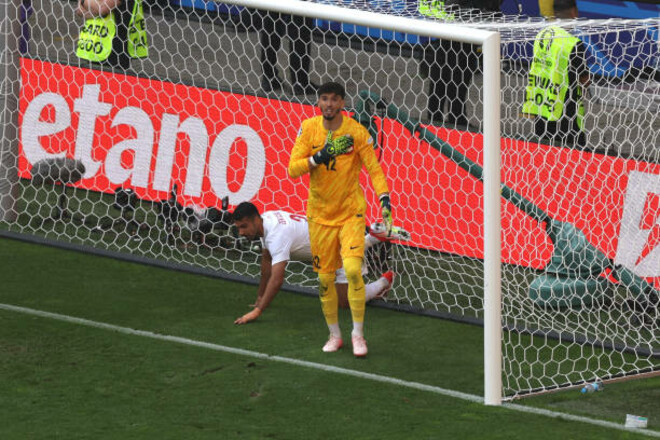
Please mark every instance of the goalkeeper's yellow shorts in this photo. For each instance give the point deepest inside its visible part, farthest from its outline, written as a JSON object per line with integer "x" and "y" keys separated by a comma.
{"x": 331, "y": 244}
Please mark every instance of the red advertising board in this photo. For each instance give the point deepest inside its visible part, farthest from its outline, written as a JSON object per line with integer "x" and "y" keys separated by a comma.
{"x": 150, "y": 135}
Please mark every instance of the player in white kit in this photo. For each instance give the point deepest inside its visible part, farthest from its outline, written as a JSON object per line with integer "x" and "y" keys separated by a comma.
{"x": 285, "y": 237}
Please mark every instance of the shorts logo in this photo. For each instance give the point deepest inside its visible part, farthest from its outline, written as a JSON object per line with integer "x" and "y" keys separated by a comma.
{"x": 354, "y": 247}
{"x": 639, "y": 237}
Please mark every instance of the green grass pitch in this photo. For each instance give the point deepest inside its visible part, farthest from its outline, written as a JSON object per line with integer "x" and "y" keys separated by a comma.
{"x": 64, "y": 380}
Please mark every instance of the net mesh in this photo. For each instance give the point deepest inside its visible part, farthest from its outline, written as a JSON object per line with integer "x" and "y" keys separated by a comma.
{"x": 173, "y": 142}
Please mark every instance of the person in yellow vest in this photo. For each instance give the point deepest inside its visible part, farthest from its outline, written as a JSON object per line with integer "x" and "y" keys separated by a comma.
{"x": 558, "y": 76}
{"x": 113, "y": 33}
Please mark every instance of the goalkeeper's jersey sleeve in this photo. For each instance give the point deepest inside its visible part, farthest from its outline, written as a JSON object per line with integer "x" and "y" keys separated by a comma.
{"x": 335, "y": 195}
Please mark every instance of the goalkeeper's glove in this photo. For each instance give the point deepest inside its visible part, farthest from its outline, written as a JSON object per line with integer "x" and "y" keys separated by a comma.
{"x": 341, "y": 145}
{"x": 386, "y": 211}
{"x": 333, "y": 148}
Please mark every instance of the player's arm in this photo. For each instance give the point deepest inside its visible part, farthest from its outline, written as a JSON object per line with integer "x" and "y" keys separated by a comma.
{"x": 579, "y": 64}
{"x": 331, "y": 149}
{"x": 272, "y": 278}
{"x": 273, "y": 286}
{"x": 370, "y": 161}
{"x": 302, "y": 161}
{"x": 299, "y": 163}
{"x": 368, "y": 157}
{"x": 266, "y": 263}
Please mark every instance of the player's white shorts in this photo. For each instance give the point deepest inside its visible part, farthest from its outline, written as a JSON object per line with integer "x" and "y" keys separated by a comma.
{"x": 340, "y": 275}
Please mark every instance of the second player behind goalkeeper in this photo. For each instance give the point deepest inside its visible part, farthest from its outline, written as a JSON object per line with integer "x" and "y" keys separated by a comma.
{"x": 285, "y": 237}
{"x": 333, "y": 148}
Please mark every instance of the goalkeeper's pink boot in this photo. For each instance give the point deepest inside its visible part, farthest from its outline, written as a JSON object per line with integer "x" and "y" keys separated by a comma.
{"x": 388, "y": 276}
{"x": 334, "y": 343}
{"x": 379, "y": 230}
{"x": 359, "y": 346}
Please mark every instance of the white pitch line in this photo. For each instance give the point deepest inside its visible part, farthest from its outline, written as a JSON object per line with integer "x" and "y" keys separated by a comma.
{"x": 323, "y": 367}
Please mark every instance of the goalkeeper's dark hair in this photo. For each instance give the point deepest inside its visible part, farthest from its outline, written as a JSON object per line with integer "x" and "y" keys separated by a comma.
{"x": 332, "y": 87}
{"x": 245, "y": 210}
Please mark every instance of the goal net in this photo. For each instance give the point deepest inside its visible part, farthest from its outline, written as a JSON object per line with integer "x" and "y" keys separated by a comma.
{"x": 146, "y": 160}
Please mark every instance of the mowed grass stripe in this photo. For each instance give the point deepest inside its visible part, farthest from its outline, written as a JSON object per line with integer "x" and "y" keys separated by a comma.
{"x": 314, "y": 365}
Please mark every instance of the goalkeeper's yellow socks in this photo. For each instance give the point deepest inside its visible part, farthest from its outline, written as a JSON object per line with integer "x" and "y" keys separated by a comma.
{"x": 356, "y": 294}
{"x": 329, "y": 299}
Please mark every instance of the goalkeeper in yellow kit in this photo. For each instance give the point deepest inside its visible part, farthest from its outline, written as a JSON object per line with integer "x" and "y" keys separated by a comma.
{"x": 332, "y": 148}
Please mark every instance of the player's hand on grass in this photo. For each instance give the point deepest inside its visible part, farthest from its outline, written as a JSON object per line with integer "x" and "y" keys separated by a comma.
{"x": 333, "y": 148}
{"x": 386, "y": 211}
{"x": 248, "y": 317}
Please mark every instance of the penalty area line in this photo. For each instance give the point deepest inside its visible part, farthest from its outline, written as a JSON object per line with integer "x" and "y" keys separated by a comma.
{"x": 317, "y": 366}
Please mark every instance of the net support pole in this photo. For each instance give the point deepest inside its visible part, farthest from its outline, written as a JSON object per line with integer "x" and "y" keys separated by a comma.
{"x": 492, "y": 224}
{"x": 10, "y": 31}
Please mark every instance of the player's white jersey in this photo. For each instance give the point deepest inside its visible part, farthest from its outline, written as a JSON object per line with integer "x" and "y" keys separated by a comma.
{"x": 286, "y": 236}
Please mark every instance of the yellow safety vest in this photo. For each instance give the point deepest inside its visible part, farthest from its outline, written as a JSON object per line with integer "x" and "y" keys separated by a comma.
{"x": 548, "y": 76}
{"x": 435, "y": 9}
{"x": 137, "y": 33}
{"x": 95, "y": 41}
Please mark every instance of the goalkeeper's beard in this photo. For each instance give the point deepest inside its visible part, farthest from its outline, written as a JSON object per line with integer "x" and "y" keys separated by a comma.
{"x": 331, "y": 117}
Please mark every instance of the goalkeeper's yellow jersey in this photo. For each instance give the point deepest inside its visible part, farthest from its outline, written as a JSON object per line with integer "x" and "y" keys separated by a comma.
{"x": 335, "y": 195}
